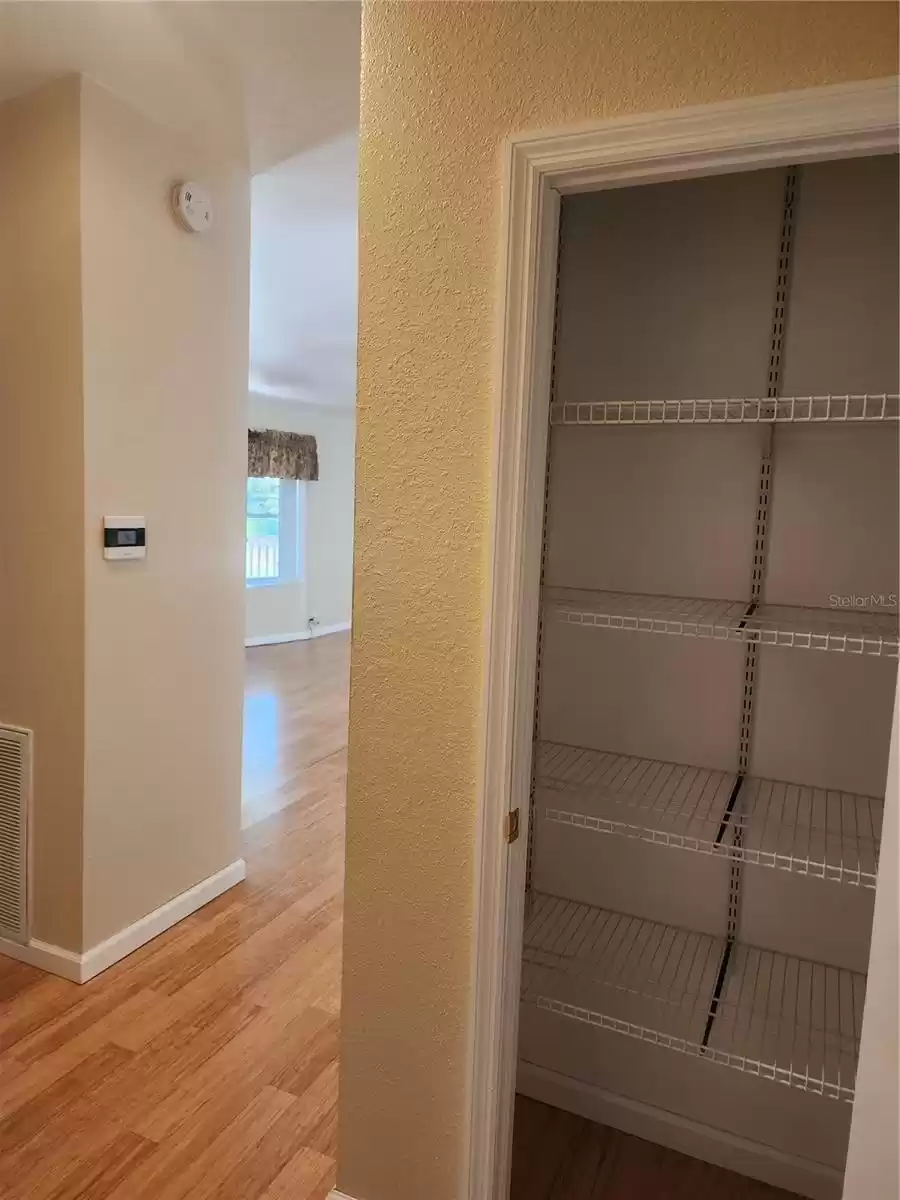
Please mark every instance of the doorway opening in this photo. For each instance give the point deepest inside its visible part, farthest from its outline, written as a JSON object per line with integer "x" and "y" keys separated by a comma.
{"x": 299, "y": 503}
{"x": 583, "y": 994}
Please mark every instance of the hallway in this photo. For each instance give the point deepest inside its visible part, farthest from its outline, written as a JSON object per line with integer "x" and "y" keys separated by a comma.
{"x": 205, "y": 1064}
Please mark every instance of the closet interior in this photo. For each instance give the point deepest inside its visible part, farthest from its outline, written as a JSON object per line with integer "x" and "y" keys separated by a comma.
{"x": 717, "y": 661}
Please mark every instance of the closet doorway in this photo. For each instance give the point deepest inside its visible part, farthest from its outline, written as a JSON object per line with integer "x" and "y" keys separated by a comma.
{"x": 681, "y": 832}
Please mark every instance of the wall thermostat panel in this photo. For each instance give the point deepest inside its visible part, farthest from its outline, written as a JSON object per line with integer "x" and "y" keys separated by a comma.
{"x": 192, "y": 206}
{"x": 124, "y": 537}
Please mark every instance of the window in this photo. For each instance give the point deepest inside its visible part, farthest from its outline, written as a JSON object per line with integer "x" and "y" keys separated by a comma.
{"x": 275, "y": 528}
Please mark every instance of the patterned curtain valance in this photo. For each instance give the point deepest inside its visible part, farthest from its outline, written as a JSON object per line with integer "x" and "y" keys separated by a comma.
{"x": 274, "y": 454}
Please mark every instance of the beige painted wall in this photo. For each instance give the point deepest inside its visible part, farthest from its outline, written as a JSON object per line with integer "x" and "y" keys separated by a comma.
{"x": 41, "y": 483}
{"x": 325, "y": 592}
{"x": 277, "y": 610}
{"x": 165, "y": 369}
{"x": 442, "y": 85}
{"x": 123, "y": 344}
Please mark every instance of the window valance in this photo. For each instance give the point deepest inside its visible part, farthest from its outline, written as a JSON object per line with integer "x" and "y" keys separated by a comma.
{"x": 276, "y": 454}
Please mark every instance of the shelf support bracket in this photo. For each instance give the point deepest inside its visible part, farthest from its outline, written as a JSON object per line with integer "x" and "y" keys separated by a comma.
{"x": 732, "y": 816}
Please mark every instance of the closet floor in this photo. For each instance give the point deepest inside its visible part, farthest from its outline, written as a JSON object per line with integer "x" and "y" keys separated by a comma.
{"x": 559, "y": 1156}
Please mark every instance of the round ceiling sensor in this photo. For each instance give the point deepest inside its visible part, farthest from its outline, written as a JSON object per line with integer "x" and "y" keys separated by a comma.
{"x": 192, "y": 206}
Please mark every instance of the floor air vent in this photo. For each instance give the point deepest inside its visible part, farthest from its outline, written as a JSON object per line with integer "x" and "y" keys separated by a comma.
{"x": 15, "y": 786}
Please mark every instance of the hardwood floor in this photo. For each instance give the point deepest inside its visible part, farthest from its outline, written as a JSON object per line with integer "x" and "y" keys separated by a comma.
{"x": 204, "y": 1066}
{"x": 558, "y": 1156}
{"x": 295, "y": 721}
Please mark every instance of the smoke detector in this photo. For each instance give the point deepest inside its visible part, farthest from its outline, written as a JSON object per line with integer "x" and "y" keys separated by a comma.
{"x": 192, "y": 207}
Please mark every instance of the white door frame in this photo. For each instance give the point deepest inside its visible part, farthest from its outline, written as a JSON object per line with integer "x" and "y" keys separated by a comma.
{"x": 799, "y": 126}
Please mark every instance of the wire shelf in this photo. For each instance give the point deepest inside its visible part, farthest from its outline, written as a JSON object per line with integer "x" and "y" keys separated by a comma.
{"x": 779, "y": 1017}
{"x": 790, "y": 1020}
{"x": 641, "y": 973}
{"x": 874, "y": 634}
{"x": 848, "y": 409}
{"x": 824, "y": 834}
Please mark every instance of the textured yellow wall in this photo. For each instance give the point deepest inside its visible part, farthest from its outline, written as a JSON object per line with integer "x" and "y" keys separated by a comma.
{"x": 442, "y": 85}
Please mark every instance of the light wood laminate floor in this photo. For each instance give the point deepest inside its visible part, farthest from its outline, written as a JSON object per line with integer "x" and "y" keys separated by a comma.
{"x": 295, "y": 722}
{"x": 204, "y": 1066}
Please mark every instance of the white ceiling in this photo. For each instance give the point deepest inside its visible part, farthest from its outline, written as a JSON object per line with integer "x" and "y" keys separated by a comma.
{"x": 279, "y": 77}
{"x": 303, "y": 273}
{"x": 274, "y": 81}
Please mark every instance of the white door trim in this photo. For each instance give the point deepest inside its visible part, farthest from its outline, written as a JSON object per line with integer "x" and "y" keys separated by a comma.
{"x": 799, "y": 126}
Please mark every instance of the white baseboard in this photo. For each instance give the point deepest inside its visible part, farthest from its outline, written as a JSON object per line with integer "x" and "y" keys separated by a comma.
{"x": 774, "y": 1167}
{"x": 65, "y": 963}
{"x": 79, "y": 968}
{"x": 334, "y": 1194}
{"x": 324, "y": 630}
{"x": 275, "y": 639}
{"x": 98, "y": 958}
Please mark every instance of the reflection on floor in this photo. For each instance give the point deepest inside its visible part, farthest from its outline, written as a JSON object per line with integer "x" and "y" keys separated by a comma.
{"x": 558, "y": 1156}
{"x": 295, "y": 722}
{"x": 204, "y": 1066}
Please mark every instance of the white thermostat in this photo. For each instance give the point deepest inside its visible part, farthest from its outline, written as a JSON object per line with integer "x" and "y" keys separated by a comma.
{"x": 124, "y": 537}
{"x": 192, "y": 206}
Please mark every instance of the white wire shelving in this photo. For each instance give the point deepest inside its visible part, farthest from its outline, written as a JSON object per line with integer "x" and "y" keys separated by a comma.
{"x": 790, "y": 1020}
{"x": 874, "y": 634}
{"x": 782, "y": 1018}
{"x": 817, "y": 832}
{"x": 862, "y": 408}
{"x": 632, "y": 976}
